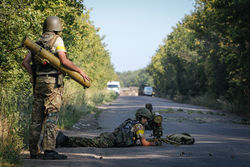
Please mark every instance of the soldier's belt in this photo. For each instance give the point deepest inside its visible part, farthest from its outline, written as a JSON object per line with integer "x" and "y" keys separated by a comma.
{"x": 47, "y": 75}
{"x": 54, "y": 61}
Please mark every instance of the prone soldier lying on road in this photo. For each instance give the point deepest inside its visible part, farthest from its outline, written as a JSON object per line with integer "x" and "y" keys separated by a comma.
{"x": 129, "y": 133}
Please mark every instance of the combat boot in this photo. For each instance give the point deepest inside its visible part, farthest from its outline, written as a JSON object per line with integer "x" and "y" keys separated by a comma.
{"x": 53, "y": 155}
{"x": 61, "y": 140}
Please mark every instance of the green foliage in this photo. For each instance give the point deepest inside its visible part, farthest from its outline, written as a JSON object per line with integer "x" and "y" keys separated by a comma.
{"x": 70, "y": 114}
{"x": 14, "y": 122}
{"x": 135, "y": 78}
{"x": 74, "y": 108}
{"x": 206, "y": 100}
{"x": 96, "y": 97}
{"x": 174, "y": 62}
{"x": 83, "y": 44}
{"x": 207, "y": 53}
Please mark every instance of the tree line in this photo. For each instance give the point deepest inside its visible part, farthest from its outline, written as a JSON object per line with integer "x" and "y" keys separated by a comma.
{"x": 25, "y": 18}
{"x": 135, "y": 78}
{"x": 207, "y": 53}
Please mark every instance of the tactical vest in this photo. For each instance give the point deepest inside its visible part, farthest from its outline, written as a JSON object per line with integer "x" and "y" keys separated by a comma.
{"x": 40, "y": 65}
{"x": 124, "y": 136}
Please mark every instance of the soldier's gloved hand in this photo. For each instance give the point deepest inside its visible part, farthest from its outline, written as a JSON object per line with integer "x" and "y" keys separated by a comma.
{"x": 158, "y": 143}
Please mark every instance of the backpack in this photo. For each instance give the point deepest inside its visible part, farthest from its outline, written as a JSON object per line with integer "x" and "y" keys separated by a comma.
{"x": 47, "y": 40}
{"x": 182, "y": 138}
{"x": 123, "y": 134}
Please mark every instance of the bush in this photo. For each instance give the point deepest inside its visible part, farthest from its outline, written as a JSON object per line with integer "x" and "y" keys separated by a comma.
{"x": 96, "y": 97}
{"x": 206, "y": 100}
{"x": 78, "y": 102}
{"x": 13, "y": 127}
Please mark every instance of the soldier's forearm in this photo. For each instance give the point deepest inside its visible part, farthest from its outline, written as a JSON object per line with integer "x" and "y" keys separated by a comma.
{"x": 146, "y": 143}
{"x": 67, "y": 63}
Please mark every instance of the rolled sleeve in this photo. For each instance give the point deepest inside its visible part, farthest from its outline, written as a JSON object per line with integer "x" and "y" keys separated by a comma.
{"x": 139, "y": 131}
{"x": 59, "y": 45}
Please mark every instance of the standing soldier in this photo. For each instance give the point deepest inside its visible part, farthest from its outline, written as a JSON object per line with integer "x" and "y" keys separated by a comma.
{"x": 129, "y": 133}
{"x": 48, "y": 90}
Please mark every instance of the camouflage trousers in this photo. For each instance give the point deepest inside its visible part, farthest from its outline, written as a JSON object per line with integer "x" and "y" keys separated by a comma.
{"x": 104, "y": 140}
{"x": 44, "y": 118}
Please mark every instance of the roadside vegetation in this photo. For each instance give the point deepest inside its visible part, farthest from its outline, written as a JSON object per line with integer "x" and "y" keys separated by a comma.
{"x": 84, "y": 47}
{"x": 205, "y": 60}
{"x": 79, "y": 103}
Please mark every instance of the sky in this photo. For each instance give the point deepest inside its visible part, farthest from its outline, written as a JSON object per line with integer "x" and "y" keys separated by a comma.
{"x": 134, "y": 29}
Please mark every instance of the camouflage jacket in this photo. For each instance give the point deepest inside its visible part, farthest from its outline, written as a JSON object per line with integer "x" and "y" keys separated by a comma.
{"x": 124, "y": 135}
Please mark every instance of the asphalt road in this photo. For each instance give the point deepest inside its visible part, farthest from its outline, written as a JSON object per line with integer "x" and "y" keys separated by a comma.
{"x": 221, "y": 139}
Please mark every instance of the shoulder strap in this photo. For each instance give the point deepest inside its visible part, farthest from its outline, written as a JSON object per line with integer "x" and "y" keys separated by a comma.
{"x": 135, "y": 122}
{"x": 125, "y": 122}
{"x": 53, "y": 40}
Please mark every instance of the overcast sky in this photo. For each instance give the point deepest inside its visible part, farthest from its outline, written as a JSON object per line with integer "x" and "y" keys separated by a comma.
{"x": 134, "y": 29}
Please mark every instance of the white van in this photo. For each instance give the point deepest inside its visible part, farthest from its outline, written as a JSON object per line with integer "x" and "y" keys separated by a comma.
{"x": 115, "y": 86}
{"x": 148, "y": 91}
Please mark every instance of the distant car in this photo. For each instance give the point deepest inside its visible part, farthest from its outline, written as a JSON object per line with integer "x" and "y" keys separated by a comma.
{"x": 148, "y": 91}
{"x": 145, "y": 90}
{"x": 115, "y": 86}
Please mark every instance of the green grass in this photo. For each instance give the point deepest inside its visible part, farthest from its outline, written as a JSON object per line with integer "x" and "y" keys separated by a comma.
{"x": 13, "y": 130}
{"x": 95, "y": 97}
{"x": 72, "y": 112}
{"x": 205, "y": 100}
{"x": 167, "y": 111}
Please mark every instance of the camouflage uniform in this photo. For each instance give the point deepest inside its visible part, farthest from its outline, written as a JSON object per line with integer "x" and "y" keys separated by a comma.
{"x": 47, "y": 99}
{"x": 117, "y": 138}
{"x": 103, "y": 140}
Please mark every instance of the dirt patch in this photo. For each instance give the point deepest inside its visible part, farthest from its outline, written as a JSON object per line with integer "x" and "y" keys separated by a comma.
{"x": 86, "y": 124}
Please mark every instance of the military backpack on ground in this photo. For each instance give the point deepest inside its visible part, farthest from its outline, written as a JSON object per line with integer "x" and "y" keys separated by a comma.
{"x": 182, "y": 138}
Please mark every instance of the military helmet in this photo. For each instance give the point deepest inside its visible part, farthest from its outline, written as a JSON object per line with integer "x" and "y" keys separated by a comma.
{"x": 52, "y": 23}
{"x": 143, "y": 112}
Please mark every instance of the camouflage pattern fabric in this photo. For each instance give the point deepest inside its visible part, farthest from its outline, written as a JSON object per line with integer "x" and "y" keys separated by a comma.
{"x": 139, "y": 130}
{"x": 115, "y": 139}
{"x": 104, "y": 140}
{"x": 182, "y": 138}
{"x": 129, "y": 133}
{"x": 46, "y": 105}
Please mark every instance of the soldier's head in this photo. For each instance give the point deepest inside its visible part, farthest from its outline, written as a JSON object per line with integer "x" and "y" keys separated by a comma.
{"x": 143, "y": 115}
{"x": 52, "y": 24}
